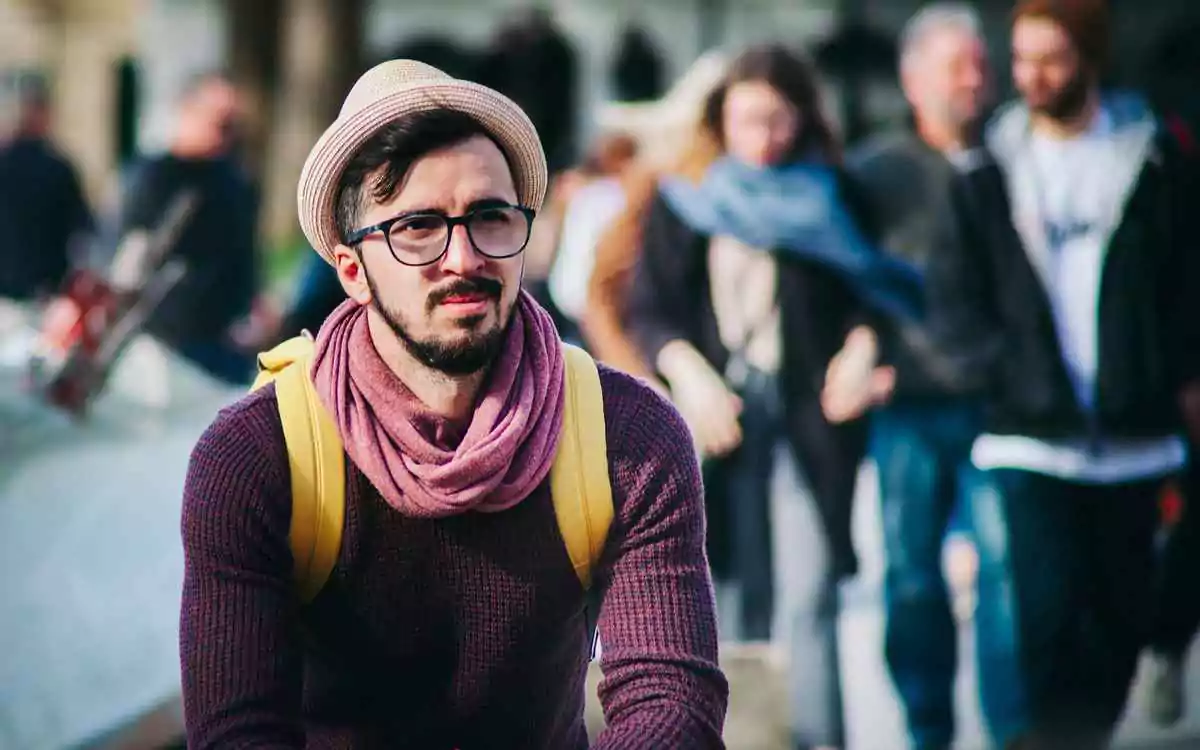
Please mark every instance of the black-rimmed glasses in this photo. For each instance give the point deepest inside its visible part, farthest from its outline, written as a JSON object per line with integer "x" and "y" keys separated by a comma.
{"x": 419, "y": 239}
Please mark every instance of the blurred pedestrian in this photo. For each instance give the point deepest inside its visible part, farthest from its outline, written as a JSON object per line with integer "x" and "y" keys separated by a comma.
{"x": 739, "y": 302}
{"x": 532, "y": 61}
{"x": 1071, "y": 297}
{"x": 930, "y": 414}
{"x": 669, "y": 142}
{"x": 218, "y": 243}
{"x": 583, "y": 201}
{"x": 44, "y": 215}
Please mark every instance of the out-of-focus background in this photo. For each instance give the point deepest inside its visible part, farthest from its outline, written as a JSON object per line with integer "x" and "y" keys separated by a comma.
{"x": 89, "y": 496}
{"x": 116, "y": 66}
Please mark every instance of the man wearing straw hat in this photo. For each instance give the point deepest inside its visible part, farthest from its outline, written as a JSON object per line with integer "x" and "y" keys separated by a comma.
{"x": 452, "y": 617}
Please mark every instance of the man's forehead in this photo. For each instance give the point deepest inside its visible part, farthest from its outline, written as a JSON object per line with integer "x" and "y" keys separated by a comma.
{"x": 454, "y": 177}
{"x": 1038, "y": 33}
{"x": 950, "y": 40}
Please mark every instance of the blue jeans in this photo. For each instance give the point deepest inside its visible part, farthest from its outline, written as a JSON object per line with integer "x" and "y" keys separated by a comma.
{"x": 926, "y": 478}
{"x": 1083, "y": 571}
{"x": 748, "y": 476}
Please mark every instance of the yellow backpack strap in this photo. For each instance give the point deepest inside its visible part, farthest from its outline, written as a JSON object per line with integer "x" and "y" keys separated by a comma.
{"x": 579, "y": 481}
{"x": 316, "y": 461}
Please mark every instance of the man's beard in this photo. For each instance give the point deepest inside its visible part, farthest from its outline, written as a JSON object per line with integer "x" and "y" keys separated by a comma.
{"x": 466, "y": 356}
{"x": 1068, "y": 103}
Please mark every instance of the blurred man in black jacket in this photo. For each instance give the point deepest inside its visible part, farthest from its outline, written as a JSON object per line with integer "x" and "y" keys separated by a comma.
{"x": 1073, "y": 299}
{"x": 43, "y": 212}
{"x": 218, "y": 242}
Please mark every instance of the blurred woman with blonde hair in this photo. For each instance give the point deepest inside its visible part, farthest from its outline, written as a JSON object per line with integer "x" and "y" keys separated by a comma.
{"x": 670, "y": 141}
{"x": 753, "y": 269}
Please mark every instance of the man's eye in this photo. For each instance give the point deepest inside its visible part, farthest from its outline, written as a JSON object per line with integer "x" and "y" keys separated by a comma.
{"x": 418, "y": 225}
{"x": 495, "y": 216}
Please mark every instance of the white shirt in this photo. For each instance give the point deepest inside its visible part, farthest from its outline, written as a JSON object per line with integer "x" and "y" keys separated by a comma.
{"x": 743, "y": 284}
{"x": 591, "y": 211}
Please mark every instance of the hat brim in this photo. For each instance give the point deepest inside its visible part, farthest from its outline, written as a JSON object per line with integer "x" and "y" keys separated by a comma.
{"x": 503, "y": 120}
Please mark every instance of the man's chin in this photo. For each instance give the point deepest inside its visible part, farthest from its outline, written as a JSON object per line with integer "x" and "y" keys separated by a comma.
{"x": 460, "y": 354}
{"x": 475, "y": 324}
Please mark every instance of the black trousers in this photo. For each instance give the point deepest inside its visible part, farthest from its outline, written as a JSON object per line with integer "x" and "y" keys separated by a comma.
{"x": 1083, "y": 564}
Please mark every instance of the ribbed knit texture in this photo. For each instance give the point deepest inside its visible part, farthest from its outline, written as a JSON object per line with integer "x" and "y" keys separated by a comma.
{"x": 465, "y": 632}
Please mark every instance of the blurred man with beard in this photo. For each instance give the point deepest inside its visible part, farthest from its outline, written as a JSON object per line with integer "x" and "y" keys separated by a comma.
{"x": 1072, "y": 298}
{"x": 921, "y": 440}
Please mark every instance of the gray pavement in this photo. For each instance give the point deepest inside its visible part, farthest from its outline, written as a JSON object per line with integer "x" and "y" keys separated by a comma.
{"x": 90, "y": 551}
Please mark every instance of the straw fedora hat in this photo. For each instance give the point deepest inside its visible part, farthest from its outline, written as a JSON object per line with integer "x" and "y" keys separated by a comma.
{"x": 389, "y": 92}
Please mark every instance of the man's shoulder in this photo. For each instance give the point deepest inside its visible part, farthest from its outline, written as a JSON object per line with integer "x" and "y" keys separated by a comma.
{"x": 884, "y": 148}
{"x": 896, "y": 163}
{"x": 250, "y": 415}
{"x": 243, "y": 445}
{"x": 237, "y": 497}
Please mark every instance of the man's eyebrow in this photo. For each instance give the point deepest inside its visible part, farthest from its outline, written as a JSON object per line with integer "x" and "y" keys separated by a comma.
{"x": 475, "y": 205}
{"x": 489, "y": 202}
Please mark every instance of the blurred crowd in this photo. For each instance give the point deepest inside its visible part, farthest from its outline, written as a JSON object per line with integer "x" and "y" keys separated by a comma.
{"x": 995, "y": 305}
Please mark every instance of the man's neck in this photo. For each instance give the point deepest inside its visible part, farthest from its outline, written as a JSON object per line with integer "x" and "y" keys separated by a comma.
{"x": 1067, "y": 127}
{"x": 448, "y": 397}
{"x": 941, "y": 136}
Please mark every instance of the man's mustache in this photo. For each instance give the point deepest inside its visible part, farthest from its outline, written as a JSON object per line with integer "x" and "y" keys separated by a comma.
{"x": 477, "y": 285}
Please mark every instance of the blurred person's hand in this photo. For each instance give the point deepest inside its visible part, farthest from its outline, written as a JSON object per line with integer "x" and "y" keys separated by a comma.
{"x": 701, "y": 395}
{"x": 258, "y": 330}
{"x": 853, "y": 382}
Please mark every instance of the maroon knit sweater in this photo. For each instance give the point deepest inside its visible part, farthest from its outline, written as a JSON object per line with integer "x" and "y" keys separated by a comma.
{"x": 466, "y": 632}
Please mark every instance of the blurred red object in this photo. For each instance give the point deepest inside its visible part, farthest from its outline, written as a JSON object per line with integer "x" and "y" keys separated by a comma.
{"x": 74, "y": 326}
{"x": 89, "y": 324}
{"x": 1171, "y": 504}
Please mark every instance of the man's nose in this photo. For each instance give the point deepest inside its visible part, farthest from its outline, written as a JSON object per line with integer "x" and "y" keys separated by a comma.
{"x": 461, "y": 256}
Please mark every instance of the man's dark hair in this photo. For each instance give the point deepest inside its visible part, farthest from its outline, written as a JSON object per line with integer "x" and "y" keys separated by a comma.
{"x": 396, "y": 148}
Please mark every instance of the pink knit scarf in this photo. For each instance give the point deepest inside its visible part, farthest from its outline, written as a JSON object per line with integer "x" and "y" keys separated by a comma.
{"x": 507, "y": 448}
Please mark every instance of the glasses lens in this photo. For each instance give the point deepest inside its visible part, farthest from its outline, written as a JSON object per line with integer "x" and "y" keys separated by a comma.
{"x": 499, "y": 231}
{"x": 418, "y": 239}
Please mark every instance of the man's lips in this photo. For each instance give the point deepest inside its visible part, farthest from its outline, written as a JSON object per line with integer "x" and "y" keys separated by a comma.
{"x": 465, "y": 299}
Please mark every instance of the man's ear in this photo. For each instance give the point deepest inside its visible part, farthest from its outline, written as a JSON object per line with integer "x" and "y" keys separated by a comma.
{"x": 352, "y": 274}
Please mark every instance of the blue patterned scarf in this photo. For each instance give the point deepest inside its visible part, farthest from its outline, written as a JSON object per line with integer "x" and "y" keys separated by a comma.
{"x": 796, "y": 210}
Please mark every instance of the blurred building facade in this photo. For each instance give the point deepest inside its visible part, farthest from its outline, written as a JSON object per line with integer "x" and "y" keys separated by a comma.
{"x": 116, "y": 65}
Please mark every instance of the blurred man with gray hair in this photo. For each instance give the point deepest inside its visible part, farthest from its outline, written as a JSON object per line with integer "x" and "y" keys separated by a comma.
{"x": 928, "y": 416}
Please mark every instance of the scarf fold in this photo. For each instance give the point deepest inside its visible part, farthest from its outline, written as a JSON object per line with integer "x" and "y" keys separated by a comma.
{"x": 507, "y": 447}
{"x": 796, "y": 210}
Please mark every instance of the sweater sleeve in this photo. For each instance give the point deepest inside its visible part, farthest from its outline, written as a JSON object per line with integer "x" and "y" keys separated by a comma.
{"x": 242, "y": 665}
{"x": 662, "y": 685}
